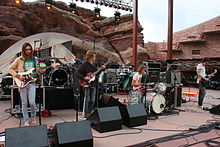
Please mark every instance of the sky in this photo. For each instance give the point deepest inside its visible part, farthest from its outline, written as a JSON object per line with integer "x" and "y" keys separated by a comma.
{"x": 153, "y": 15}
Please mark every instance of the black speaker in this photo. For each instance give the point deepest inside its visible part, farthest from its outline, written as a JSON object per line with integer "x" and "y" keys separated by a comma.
{"x": 34, "y": 136}
{"x": 73, "y": 134}
{"x": 59, "y": 98}
{"x": 106, "y": 119}
{"x": 215, "y": 110}
{"x": 133, "y": 115}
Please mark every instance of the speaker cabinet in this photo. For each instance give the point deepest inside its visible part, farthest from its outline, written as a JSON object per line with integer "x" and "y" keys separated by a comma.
{"x": 73, "y": 134}
{"x": 106, "y": 119}
{"x": 34, "y": 136}
{"x": 133, "y": 115}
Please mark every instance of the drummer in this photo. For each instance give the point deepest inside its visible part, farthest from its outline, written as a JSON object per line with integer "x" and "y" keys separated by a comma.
{"x": 138, "y": 87}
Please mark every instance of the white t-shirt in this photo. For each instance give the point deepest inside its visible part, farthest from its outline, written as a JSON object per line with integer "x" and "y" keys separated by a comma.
{"x": 202, "y": 68}
{"x": 137, "y": 77}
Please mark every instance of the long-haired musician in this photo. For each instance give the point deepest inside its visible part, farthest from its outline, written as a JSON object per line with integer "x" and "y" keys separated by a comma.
{"x": 23, "y": 64}
{"x": 89, "y": 89}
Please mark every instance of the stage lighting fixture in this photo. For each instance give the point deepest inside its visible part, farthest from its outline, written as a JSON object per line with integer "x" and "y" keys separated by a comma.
{"x": 110, "y": 5}
{"x": 123, "y": 8}
{"x": 97, "y": 12}
{"x": 18, "y": 1}
{"x": 117, "y": 15}
{"x": 126, "y": 9}
{"x": 72, "y": 7}
{"x": 48, "y": 4}
{"x": 82, "y": 0}
{"x": 87, "y": 1}
{"x": 101, "y": 3}
{"x": 96, "y": 2}
{"x": 92, "y": 1}
{"x": 130, "y": 9}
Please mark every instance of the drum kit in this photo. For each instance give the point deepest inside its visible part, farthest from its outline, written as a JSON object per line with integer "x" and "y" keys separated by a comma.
{"x": 59, "y": 75}
{"x": 154, "y": 99}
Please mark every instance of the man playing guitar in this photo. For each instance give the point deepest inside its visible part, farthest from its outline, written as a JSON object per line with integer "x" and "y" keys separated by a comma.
{"x": 85, "y": 74}
{"x": 201, "y": 73}
{"x": 26, "y": 62}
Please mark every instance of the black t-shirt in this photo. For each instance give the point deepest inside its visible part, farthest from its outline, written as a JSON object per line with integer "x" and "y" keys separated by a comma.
{"x": 84, "y": 69}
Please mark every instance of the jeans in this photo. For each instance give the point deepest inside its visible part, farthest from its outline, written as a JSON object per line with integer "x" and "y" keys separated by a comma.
{"x": 28, "y": 94}
{"x": 89, "y": 99}
{"x": 202, "y": 94}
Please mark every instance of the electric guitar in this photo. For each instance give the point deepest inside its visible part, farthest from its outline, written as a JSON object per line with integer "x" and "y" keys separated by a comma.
{"x": 86, "y": 84}
{"x": 28, "y": 77}
{"x": 204, "y": 82}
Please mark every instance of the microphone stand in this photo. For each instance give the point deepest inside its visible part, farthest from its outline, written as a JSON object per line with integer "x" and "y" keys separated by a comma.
{"x": 40, "y": 86}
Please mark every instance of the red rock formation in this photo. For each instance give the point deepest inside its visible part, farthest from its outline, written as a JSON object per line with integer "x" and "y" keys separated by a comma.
{"x": 27, "y": 19}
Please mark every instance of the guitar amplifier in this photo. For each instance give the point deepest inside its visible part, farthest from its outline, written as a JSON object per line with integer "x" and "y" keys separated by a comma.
{"x": 16, "y": 102}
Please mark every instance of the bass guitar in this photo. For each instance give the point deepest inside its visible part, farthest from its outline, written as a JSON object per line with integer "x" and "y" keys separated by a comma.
{"x": 86, "y": 84}
{"x": 203, "y": 82}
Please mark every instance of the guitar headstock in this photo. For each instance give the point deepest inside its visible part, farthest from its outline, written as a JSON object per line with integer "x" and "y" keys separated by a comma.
{"x": 215, "y": 71}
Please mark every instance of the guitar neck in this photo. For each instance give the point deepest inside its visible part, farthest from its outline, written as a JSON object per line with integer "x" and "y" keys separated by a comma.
{"x": 101, "y": 68}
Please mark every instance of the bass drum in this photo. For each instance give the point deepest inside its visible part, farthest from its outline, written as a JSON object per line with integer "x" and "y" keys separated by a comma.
{"x": 58, "y": 77}
{"x": 155, "y": 102}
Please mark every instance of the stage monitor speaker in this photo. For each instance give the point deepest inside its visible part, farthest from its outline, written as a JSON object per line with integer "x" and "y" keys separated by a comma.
{"x": 215, "y": 110}
{"x": 106, "y": 119}
{"x": 133, "y": 115}
{"x": 34, "y": 136}
{"x": 74, "y": 134}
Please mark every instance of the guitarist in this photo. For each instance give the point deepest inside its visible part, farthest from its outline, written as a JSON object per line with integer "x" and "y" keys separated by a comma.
{"x": 84, "y": 73}
{"x": 201, "y": 73}
{"x": 22, "y": 64}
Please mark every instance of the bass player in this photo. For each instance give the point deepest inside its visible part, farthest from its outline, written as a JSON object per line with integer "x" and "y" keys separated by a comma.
{"x": 85, "y": 74}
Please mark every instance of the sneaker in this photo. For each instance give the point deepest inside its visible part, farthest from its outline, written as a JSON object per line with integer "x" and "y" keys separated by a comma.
{"x": 34, "y": 120}
{"x": 201, "y": 107}
{"x": 26, "y": 124}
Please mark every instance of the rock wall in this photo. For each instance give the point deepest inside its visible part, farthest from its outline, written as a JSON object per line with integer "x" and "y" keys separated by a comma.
{"x": 20, "y": 21}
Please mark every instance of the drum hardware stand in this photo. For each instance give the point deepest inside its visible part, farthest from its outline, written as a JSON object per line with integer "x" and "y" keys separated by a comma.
{"x": 40, "y": 86}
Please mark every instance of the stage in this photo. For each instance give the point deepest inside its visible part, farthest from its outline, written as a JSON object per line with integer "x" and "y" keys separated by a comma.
{"x": 187, "y": 116}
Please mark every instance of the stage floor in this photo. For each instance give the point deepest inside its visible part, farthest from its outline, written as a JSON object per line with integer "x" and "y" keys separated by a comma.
{"x": 190, "y": 117}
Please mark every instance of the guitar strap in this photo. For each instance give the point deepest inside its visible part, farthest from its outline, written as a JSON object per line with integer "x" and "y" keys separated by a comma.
{"x": 35, "y": 62}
